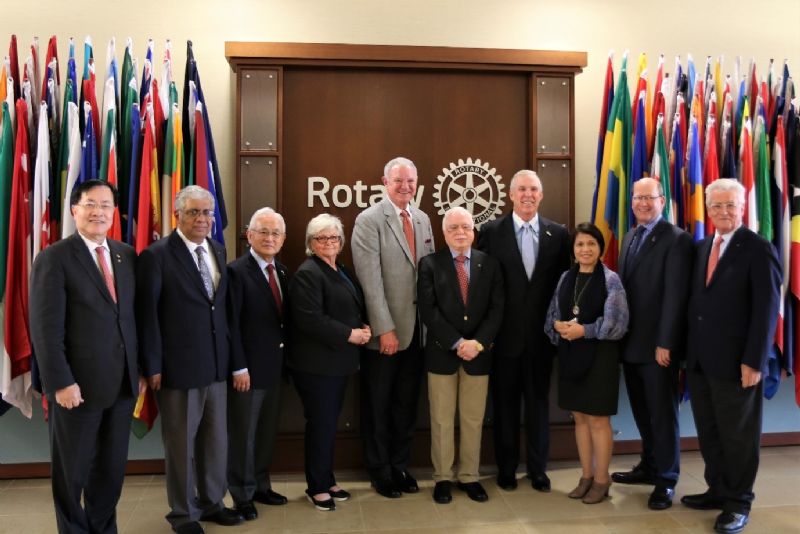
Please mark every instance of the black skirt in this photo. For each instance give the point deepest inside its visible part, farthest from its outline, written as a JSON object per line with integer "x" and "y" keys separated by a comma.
{"x": 597, "y": 392}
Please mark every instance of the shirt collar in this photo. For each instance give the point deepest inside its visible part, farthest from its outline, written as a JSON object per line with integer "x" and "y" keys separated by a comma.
{"x": 648, "y": 227}
{"x": 191, "y": 245}
{"x": 398, "y": 210}
{"x": 725, "y": 237}
{"x": 455, "y": 254}
{"x": 519, "y": 223}
{"x": 92, "y": 245}
{"x": 262, "y": 263}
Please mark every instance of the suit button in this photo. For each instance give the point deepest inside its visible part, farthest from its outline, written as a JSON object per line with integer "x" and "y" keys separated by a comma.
{"x": 212, "y": 307}
{"x": 122, "y": 345}
{"x": 466, "y": 318}
{"x": 281, "y": 325}
{"x": 280, "y": 346}
{"x": 699, "y": 317}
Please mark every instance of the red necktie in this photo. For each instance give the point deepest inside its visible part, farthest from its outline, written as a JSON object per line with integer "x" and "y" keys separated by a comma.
{"x": 409, "y": 231}
{"x": 463, "y": 279}
{"x": 713, "y": 259}
{"x": 101, "y": 261}
{"x": 273, "y": 285}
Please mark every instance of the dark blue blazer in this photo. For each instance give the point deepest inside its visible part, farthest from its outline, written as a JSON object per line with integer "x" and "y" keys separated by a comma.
{"x": 526, "y": 300}
{"x": 79, "y": 334}
{"x": 443, "y": 311}
{"x": 183, "y": 334}
{"x": 732, "y": 320}
{"x": 258, "y": 329}
{"x": 657, "y": 288}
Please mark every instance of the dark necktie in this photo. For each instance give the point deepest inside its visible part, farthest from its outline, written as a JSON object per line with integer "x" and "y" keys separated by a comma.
{"x": 636, "y": 244}
{"x": 205, "y": 273}
{"x": 463, "y": 279}
{"x": 273, "y": 285}
{"x": 409, "y": 232}
{"x": 109, "y": 280}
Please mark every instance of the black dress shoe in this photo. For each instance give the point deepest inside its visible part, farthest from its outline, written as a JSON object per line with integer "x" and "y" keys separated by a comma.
{"x": 247, "y": 510}
{"x": 328, "y": 505}
{"x": 507, "y": 482}
{"x": 474, "y": 491}
{"x": 192, "y": 527}
{"x": 385, "y": 487}
{"x": 441, "y": 492}
{"x": 661, "y": 498}
{"x": 270, "y": 497}
{"x": 404, "y": 482}
{"x": 702, "y": 501}
{"x": 341, "y": 495}
{"x": 227, "y": 517}
{"x": 540, "y": 482}
{"x": 638, "y": 475}
{"x": 730, "y": 522}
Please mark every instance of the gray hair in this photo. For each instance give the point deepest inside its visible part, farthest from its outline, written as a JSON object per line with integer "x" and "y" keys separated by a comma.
{"x": 398, "y": 162}
{"x": 261, "y": 212}
{"x": 194, "y": 192}
{"x": 454, "y": 211}
{"x": 723, "y": 185}
{"x": 525, "y": 172}
{"x": 321, "y": 222}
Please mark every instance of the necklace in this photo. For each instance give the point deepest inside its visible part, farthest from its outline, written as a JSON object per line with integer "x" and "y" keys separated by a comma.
{"x": 576, "y": 296}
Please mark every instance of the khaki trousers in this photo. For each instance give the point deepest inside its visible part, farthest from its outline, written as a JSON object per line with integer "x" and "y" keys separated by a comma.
{"x": 443, "y": 392}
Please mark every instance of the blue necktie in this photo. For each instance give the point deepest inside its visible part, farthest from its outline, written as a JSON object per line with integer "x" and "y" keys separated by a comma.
{"x": 528, "y": 249}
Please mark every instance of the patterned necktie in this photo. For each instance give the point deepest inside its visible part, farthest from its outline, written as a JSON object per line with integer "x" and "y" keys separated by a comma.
{"x": 273, "y": 285}
{"x": 527, "y": 249}
{"x": 463, "y": 279}
{"x": 713, "y": 258}
{"x": 101, "y": 261}
{"x": 205, "y": 273}
{"x": 409, "y": 231}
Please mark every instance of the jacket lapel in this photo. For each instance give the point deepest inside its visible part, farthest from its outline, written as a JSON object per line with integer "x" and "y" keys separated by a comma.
{"x": 122, "y": 270}
{"x": 394, "y": 223}
{"x": 509, "y": 242}
{"x": 184, "y": 257}
{"x": 732, "y": 251}
{"x": 259, "y": 279}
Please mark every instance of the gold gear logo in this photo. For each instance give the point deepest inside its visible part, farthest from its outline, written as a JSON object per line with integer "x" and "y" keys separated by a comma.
{"x": 471, "y": 185}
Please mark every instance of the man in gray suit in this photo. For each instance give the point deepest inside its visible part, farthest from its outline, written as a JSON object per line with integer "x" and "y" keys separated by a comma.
{"x": 388, "y": 240}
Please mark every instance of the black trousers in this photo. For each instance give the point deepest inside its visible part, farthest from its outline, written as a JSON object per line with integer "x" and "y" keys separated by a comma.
{"x": 653, "y": 394}
{"x": 252, "y": 428}
{"x": 514, "y": 382}
{"x": 389, "y": 398}
{"x": 322, "y": 398}
{"x": 89, "y": 450}
{"x": 728, "y": 420}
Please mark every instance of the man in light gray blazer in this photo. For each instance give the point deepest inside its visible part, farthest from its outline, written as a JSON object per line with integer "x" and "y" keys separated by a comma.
{"x": 388, "y": 240}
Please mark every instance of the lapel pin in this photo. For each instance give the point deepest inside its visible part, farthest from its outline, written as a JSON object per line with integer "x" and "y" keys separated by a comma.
{"x": 548, "y": 233}
{"x": 119, "y": 258}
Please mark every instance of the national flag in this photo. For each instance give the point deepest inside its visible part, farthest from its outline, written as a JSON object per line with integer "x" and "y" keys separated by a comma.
{"x": 173, "y": 171}
{"x": 694, "y": 177}
{"x": 15, "y": 377}
{"x": 128, "y": 83}
{"x": 41, "y": 187}
{"x": 108, "y": 157}
{"x": 762, "y": 180}
{"x": 133, "y": 170}
{"x": 747, "y": 176}
{"x": 793, "y": 177}
{"x": 659, "y": 170}
{"x": 677, "y": 155}
{"x": 782, "y": 236}
{"x": 639, "y": 160}
{"x": 88, "y": 146}
{"x": 193, "y": 75}
{"x": 6, "y": 178}
{"x": 148, "y": 218}
{"x": 710, "y": 164}
{"x": 70, "y": 161}
{"x": 13, "y": 72}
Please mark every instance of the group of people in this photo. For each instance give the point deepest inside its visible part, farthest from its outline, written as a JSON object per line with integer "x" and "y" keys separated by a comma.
{"x": 482, "y": 319}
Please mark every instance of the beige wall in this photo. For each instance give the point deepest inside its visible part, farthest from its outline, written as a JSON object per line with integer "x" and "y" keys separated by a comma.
{"x": 653, "y": 27}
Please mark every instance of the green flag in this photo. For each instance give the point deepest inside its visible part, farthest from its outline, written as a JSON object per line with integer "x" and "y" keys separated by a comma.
{"x": 6, "y": 173}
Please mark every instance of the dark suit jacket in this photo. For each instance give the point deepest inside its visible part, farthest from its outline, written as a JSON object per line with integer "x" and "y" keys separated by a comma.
{"x": 258, "y": 329}
{"x": 657, "y": 287}
{"x": 526, "y": 300}
{"x": 448, "y": 320}
{"x": 732, "y": 321}
{"x": 183, "y": 334}
{"x": 325, "y": 309}
{"x": 79, "y": 334}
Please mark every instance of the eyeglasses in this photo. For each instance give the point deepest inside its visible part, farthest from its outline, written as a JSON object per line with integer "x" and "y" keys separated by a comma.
{"x": 645, "y": 198}
{"x": 327, "y": 239}
{"x": 275, "y": 234}
{"x": 193, "y": 213}
{"x": 91, "y": 206}
{"x": 720, "y": 206}
{"x": 455, "y": 227}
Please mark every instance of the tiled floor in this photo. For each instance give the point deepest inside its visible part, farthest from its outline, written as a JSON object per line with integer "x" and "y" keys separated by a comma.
{"x": 26, "y": 506}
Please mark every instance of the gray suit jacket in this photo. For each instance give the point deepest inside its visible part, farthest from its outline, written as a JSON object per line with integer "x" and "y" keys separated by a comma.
{"x": 386, "y": 270}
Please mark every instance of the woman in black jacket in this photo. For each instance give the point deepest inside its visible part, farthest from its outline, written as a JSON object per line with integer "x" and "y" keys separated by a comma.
{"x": 327, "y": 307}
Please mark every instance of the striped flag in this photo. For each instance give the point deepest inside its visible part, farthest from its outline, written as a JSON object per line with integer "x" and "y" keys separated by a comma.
{"x": 605, "y": 111}
{"x": 694, "y": 177}
{"x": 659, "y": 170}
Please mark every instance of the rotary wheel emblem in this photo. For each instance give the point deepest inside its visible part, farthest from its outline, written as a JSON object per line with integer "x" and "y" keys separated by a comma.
{"x": 471, "y": 185}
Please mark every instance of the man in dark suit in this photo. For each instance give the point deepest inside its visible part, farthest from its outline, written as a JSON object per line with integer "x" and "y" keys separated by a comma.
{"x": 733, "y": 308}
{"x": 183, "y": 332}
{"x": 533, "y": 252}
{"x": 257, "y": 319}
{"x": 460, "y": 295}
{"x": 84, "y": 337}
{"x": 655, "y": 267}
{"x": 389, "y": 238}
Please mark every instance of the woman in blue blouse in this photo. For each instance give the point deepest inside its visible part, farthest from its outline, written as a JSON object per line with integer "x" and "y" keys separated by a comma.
{"x": 587, "y": 315}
